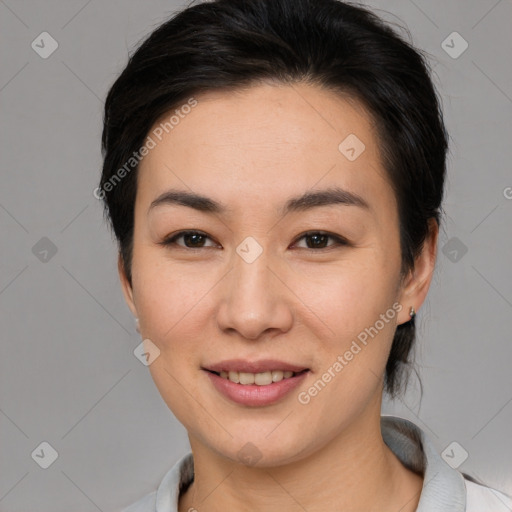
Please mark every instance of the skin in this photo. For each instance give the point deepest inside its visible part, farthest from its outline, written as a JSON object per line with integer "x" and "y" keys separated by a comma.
{"x": 252, "y": 150}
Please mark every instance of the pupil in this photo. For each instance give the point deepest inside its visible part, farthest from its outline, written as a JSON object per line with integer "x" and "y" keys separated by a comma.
{"x": 316, "y": 237}
{"x": 194, "y": 236}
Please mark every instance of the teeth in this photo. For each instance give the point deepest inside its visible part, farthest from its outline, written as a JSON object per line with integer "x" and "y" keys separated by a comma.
{"x": 233, "y": 376}
{"x": 260, "y": 379}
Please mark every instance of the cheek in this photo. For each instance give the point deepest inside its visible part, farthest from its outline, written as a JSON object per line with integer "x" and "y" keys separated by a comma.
{"x": 168, "y": 303}
{"x": 355, "y": 338}
{"x": 172, "y": 303}
{"x": 156, "y": 283}
{"x": 354, "y": 348}
{"x": 350, "y": 296}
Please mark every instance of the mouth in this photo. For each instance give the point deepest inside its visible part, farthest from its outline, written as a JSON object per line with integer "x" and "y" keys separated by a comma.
{"x": 259, "y": 389}
{"x": 258, "y": 379}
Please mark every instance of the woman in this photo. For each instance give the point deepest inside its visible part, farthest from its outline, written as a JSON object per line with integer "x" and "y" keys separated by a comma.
{"x": 274, "y": 171}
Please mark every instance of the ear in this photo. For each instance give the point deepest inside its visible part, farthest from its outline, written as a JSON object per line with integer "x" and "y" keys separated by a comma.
{"x": 417, "y": 282}
{"x": 125, "y": 285}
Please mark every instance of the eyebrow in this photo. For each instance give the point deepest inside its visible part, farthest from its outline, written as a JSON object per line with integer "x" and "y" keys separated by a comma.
{"x": 308, "y": 200}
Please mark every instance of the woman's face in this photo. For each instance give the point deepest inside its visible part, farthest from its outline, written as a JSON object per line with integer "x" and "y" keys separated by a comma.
{"x": 254, "y": 287}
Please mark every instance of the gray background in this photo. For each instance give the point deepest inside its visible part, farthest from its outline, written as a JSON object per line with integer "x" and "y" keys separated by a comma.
{"x": 68, "y": 375}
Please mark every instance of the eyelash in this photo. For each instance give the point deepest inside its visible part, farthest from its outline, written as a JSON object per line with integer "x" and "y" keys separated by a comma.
{"x": 170, "y": 241}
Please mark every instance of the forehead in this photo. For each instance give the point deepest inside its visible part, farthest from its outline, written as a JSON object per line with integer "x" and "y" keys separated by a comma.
{"x": 266, "y": 141}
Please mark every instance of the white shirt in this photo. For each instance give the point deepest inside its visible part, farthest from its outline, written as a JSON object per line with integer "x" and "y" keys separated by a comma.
{"x": 444, "y": 489}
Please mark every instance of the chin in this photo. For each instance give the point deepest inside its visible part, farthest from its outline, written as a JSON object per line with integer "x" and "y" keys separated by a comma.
{"x": 261, "y": 452}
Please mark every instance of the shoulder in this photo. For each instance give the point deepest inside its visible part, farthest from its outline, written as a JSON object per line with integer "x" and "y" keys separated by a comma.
{"x": 444, "y": 487}
{"x": 480, "y": 498}
{"x": 145, "y": 504}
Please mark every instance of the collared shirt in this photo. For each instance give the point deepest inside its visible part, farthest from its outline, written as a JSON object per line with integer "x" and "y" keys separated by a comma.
{"x": 444, "y": 488}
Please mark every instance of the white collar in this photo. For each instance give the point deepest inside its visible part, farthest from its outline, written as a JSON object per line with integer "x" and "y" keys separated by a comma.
{"x": 444, "y": 488}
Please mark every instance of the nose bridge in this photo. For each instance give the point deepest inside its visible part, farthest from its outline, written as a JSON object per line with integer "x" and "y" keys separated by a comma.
{"x": 252, "y": 277}
{"x": 251, "y": 301}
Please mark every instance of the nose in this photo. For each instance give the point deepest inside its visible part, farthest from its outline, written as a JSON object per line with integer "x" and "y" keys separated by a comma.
{"x": 255, "y": 300}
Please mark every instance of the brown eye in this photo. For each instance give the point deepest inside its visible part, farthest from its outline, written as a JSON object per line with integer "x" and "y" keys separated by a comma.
{"x": 319, "y": 240}
{"x": 191, "y": 239}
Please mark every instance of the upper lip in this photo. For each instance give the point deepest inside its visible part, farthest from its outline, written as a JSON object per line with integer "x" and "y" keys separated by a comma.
{"x": 241, "y": 365}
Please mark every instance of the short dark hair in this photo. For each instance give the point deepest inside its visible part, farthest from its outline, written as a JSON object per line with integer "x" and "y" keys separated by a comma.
{"x": 339, "y": 46}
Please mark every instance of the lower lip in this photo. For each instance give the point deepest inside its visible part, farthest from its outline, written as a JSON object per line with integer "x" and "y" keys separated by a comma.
{"x": 252, "y": 394}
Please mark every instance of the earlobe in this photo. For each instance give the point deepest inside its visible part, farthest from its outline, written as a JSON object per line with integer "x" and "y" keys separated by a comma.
{"x": 125, "y": 286}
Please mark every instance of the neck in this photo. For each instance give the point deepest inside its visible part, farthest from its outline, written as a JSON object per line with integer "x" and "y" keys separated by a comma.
{"x": 354, "y": 471}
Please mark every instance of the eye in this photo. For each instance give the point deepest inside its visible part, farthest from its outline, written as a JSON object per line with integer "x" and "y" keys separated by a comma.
{"x": 319, "y": 240}
{"x": 194, "y": 238}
